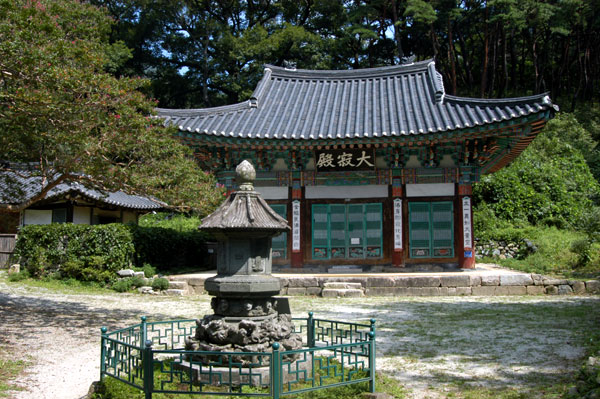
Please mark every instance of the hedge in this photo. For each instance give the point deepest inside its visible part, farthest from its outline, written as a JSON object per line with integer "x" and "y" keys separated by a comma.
{"x": 87, "y": 253}
{"x": 96, "y": 253}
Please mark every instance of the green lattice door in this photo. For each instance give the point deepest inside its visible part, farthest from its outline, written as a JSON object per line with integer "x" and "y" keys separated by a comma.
{"x": 431, "y": 229}
{"x": 341, "y": 231}
{"x": 279, "y": 242}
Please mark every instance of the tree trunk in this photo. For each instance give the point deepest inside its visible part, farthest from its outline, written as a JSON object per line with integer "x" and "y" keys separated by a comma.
{"x": 397, "y": 30}
{"x": 486, "y": 50}
{"x": 451, "y": 56}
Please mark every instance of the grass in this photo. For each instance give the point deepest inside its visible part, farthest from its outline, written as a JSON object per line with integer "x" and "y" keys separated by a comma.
{"x": 70, "y": 286}
{"x": 10, "y": 369}
{"x": 554, "y": 255}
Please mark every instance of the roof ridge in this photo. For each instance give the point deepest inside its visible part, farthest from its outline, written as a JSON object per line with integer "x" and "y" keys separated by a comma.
{"x": 182, "y": 113}
{"x": 317, "y": 74}
{"x": 544, "y": 97}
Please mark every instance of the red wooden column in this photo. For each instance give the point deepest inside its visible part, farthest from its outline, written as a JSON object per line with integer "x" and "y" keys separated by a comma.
{"x": 297, "y": 257}
{"x": 466, "y": 250}
{"x": 397, "y": 216}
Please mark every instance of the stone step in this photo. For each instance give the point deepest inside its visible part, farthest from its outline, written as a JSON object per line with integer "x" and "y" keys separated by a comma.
{"x": 342, "y": 286}
{"x": 174, "y": 292}
{"x": 342, "y": 293}
{"x": 345, "y": 269}
{"x": 178, "y": 285}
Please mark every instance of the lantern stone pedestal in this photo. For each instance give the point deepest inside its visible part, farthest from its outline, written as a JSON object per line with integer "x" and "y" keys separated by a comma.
{"x": 247, "y": 314}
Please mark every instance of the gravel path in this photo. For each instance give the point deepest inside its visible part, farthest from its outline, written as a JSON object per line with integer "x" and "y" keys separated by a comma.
{"x": 433, "y": 345}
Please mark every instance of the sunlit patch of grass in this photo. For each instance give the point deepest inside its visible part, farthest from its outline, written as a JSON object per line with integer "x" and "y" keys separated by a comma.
{"x": 10, "y": 369}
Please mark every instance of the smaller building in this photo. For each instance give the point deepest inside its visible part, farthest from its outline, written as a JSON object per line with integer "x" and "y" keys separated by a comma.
{"x": 68, "y": 202}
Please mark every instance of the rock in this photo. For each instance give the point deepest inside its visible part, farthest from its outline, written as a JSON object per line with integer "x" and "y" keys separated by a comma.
{"x": 564, "y": 289}
{"x": 535, "y": 290}
{"x": 14, "y": 268}
{"x": 578, "y": 287}
{"x": 555, "y": 281}
{"x": 516, "y": 279}
{"x": 490, "y": 280}
{"x": 173, "y": 292}
{"x": 455, "y": 281}
{"x": 145, "y": 290}
{"x": 126, "y": 273}
{"x": 502, "y": 257}
{"x": 496, "y": 252}
{"x": 592, "y": 286}
{"x": 551, "y": 290}
{"x": 593, "y": 361}
{"x": 139, "y": 274}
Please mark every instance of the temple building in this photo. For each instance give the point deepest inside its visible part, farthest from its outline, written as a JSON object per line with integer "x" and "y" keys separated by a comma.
{"x": 371, "y": 167}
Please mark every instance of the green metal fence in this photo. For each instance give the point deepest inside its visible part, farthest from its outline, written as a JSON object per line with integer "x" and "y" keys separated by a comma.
{"x": 150, "y": 356}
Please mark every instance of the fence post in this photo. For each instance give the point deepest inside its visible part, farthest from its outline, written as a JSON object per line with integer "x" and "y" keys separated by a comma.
{"x": 102, "y": 352}
{"x": 310, "y": 333}
{"x": 148, "y": 364}
{"x": 276, "y": 372}
{"x": 372, "y": 356}
{"x": 143, "y": 331}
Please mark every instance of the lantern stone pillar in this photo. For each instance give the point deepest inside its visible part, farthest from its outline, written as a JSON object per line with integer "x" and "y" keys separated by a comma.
{"x": 247, "y": 315}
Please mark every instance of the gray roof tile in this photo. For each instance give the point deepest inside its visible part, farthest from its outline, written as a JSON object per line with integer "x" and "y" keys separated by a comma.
{"x": 376, "y": 102}
{"x": 18, "y": 188}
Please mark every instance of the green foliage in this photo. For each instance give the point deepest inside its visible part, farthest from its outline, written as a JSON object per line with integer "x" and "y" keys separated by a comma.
{"x": 554, "y": 255}
{"x": 168, "y": 249}
{"x": 64, "y": 113}
{"x": 549, "y": 184}
{"x": 148, "y": 269}
{"x": 160, "y": 284}
{"x": 173, "y": 221}
{"x": 122, "y": 285}
{"x": 588, "y": 377}
{"x": 82, "y": 252}
{"x": 15, "y": 277}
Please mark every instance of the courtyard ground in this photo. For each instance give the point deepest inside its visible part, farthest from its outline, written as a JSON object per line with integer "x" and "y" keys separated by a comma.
{"x": 440, "y": 347}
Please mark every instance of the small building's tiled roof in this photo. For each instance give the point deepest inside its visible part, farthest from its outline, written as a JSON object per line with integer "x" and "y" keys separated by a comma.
{"x": 378, "y": 102}
{"x": 18, "y": 188}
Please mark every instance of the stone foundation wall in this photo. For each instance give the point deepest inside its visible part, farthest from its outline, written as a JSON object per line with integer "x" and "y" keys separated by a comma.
{"x": 486, "y": 285}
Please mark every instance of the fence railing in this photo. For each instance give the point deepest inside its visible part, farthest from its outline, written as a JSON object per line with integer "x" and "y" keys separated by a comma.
{"x": 151, "y": 356}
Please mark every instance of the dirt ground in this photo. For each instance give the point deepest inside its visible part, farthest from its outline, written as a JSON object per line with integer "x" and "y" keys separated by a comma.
{"x": 434, "y": 346}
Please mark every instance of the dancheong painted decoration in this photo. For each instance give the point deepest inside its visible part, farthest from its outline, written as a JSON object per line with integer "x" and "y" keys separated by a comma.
{"x": 371, "y": 167}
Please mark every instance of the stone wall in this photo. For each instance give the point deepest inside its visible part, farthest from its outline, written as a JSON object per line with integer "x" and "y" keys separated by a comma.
{"x": 503, "y": 249}
{"x": 481, "y": 285}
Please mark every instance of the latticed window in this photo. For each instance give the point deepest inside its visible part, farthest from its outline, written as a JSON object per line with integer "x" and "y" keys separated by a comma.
{"x": 431, "y": 229}
{"x": 341, "y": 231}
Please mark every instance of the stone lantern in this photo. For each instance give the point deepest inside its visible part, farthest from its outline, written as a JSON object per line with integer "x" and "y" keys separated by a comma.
{"x": 247, "y": 315}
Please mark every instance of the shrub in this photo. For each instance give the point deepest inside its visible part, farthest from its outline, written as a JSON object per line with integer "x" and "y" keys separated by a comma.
{"x": 137, "y": 282}
{"x": 148, "y": 269}
{"x": 160, "y": 284}
{"x": 22, "y": 275}
{"x": 87, "y": 253}
{"x": 122, "y": 285}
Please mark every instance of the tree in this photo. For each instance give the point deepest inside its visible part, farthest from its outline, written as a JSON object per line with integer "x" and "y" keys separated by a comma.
{"x": 65, "y": 116}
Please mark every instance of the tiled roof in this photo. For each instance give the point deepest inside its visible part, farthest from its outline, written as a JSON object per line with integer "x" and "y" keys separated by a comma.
{"x": 18, "y": 188}
{"x": 378, "y": 102}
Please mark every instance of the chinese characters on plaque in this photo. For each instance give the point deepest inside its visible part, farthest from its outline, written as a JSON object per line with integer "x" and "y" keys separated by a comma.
{"x": 346, "y": 159}
{"x": 397, "y": 224}
{"x": 296, "y": 226}
{"x": 466, "y": 216}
